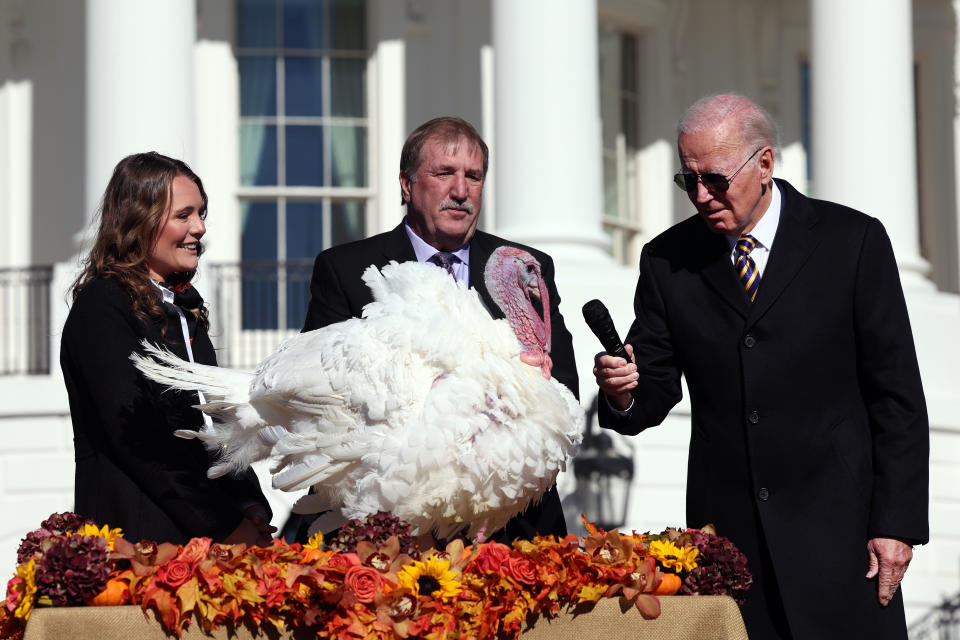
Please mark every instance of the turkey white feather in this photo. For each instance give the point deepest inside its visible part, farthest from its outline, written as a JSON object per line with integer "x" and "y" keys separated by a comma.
{"x": 426, "y": 407}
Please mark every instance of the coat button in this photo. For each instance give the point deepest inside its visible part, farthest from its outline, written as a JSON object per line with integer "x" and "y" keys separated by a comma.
{"x": 754, "y": 417}
{"x": 749, "y": 341}
{"x": 763, "y": 494}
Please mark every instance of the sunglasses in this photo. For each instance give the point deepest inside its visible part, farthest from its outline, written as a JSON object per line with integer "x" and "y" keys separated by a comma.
{"x": 687, "y": 180}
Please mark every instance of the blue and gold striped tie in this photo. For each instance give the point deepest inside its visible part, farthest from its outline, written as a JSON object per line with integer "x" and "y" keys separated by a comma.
{"x": 746, "y": 267}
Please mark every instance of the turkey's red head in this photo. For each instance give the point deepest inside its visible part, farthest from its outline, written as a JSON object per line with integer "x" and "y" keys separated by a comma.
{"x": 514, "y": 281}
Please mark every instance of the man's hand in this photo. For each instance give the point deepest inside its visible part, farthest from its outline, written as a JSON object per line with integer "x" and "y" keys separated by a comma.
{"x": 889, "y": 559}
{"x": 258, "y": 515}
{"x": 254, "y": 529}
{"x": 249, "y": 533}
{"x": 616, "y": 377}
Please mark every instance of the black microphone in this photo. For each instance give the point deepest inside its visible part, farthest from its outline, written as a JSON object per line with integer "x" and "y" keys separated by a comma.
{"x": 600, "y": 322}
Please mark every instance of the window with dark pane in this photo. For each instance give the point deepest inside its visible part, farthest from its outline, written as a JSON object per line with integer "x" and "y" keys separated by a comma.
{"x": 619, "y": 58}
{"x": 304, "y": 235}
{"x": 258, "y": 241}
{"x": 303, "y": 145}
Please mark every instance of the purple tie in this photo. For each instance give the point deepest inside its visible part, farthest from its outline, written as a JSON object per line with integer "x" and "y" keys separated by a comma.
{"x": 445, "y": 259}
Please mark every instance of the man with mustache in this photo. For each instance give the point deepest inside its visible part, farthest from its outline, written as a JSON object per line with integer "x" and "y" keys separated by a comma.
{"x": 442, "y": 169}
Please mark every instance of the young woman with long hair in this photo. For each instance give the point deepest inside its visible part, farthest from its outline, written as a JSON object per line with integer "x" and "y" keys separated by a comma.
{"x": 131, "y": 471}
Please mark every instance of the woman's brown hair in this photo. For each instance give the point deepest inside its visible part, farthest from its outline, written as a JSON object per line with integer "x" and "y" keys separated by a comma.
{"x": 131, "y": 215}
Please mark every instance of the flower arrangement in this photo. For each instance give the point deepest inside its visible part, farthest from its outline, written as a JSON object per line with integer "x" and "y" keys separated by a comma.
{"x": 365, "y": 582}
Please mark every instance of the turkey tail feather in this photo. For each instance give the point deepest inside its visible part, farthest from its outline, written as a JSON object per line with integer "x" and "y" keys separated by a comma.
{"x": 233, "y": 435}
{"x": 216, "y": 383}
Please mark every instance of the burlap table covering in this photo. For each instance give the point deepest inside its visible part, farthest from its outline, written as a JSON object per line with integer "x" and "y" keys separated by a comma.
{"x": 686, "y": 617}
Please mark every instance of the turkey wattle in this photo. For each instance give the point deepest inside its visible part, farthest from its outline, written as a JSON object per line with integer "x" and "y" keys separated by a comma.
{"x": 426, "y": 407}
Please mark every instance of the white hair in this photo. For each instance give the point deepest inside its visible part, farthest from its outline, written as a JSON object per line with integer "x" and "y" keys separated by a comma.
{"x": 754, "y": 124}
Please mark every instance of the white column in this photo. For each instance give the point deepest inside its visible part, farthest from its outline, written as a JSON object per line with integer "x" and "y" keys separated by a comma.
{"x": 864, "y": 149}
{"x": 140, "y": 94}
{"x": 16, "y": 180}
{"x": 547, "y": 140}
{"x": 388, "y": 127}
{"x": 215, "y": 145}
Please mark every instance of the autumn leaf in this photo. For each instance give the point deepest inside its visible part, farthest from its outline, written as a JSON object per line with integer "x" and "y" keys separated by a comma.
{"x": 648, "y": 605}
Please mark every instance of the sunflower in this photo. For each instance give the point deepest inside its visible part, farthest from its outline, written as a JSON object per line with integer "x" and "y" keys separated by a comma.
{"x": 315, "y": 541}
{"x": 670, "y": 556}
{"x": 431, "y": 577}
{"x": 104, "y": 532}
{"x": 22, "y": 590}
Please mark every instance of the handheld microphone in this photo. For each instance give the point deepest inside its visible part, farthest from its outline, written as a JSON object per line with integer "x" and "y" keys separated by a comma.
{"x": 598, "y": 319}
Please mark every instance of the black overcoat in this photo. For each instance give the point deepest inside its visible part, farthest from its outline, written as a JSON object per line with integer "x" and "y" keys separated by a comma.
{"x": 809, "y": 427}
{"x": 338, "y": 293}
{"x": 131, "y": 471}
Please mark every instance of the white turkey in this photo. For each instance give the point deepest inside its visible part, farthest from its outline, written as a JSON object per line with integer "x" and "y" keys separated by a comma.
{"x": 427, "y": 407}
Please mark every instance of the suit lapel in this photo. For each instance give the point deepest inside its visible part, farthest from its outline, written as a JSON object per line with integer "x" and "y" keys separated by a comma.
{"x": 792, "y": 246}
{"x": 480, "y": 251}
{"x": 397, "y": 246}
{"x": 718, "y": 271}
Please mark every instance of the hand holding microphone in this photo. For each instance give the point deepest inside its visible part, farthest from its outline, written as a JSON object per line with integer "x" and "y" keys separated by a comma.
{"x": 618, "y": 383}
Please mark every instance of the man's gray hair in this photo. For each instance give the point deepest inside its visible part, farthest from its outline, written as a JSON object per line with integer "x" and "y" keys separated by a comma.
{"x": 755, "y": 125}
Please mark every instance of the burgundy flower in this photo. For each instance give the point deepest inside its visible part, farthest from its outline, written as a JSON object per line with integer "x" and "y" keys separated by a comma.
{"x": 722, "y": 569}
{"x": 32, "y": 544}
{"x": 73, "y": 570}
{"x": 64, "y": 522}
{"x": 377, "y": 529}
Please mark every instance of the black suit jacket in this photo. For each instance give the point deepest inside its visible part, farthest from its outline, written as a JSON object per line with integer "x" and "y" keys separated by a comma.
{"x": 809, "y": 427}
{"x": 131, "y": 471}
{"x": 338, "y": 293}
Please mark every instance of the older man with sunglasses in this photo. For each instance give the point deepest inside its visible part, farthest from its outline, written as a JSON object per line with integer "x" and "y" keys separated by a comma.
{"x": 809, "y": 444}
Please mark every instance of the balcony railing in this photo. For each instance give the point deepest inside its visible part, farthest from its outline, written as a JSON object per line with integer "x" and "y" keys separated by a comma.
{"x": 254, "y": 305}
{"x": 25, "y": 320}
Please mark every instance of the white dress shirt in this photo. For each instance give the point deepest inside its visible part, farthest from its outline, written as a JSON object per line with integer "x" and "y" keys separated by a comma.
{"x": 424, "y": 251}
{"x": 763, "y": 232}
{"x": 168, "y": 300}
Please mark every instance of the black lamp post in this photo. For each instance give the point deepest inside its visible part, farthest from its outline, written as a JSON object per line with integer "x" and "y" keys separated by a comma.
{"x": 603, "y": 477}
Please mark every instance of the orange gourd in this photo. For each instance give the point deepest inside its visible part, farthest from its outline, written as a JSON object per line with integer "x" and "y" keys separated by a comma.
{"x": 669, "y": 585}
{"x": 115, "y": 593}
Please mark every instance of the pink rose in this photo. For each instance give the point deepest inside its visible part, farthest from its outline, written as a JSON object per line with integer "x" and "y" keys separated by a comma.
{"x": 491, "y": 556}
{"x": 343, "y": 560}
{"x": 175, "y": 573}
{"x": 364, "y": 582}
{"x": 195, "y": 551}
{"x": 13, "y": 593}
{"x": 520, "y": 569}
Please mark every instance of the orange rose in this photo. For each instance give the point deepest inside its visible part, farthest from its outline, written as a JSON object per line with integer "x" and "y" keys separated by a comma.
{"x": 343, "y": 561}
{"x": 491, "y": 556}
{"x": 175, "y": 573}
{"x": 365, "y": 582}
{"x": 195, "y": 551}
{"x": 520, "y": 569}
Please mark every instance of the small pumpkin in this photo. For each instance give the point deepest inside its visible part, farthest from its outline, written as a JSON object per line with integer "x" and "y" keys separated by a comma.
{"x": 310, "y": 554}
{"x": 117, "y": 592}
{"x": 669, "y": 584}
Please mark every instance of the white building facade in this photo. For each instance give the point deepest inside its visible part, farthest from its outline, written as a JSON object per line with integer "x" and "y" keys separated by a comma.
{"x": 293, "y": 112}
